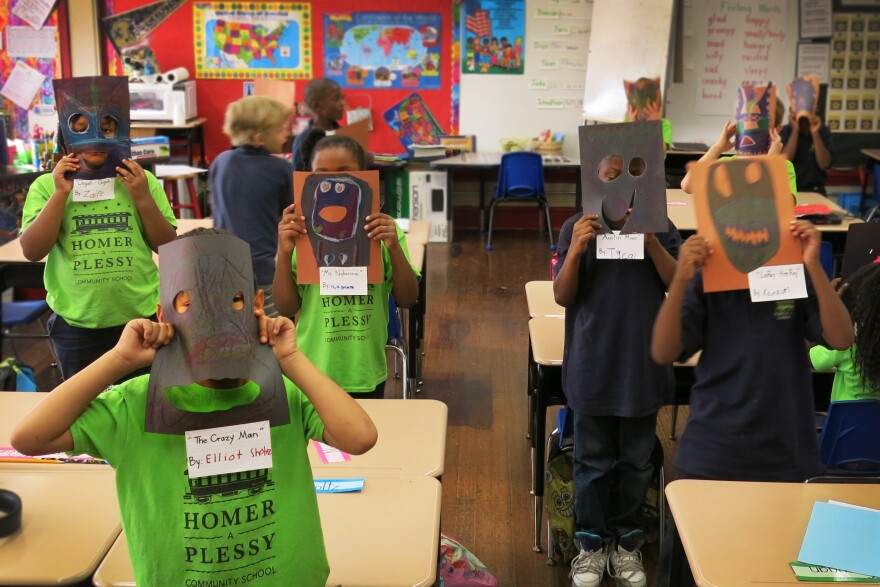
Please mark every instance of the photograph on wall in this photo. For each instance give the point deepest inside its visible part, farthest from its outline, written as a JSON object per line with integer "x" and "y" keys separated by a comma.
{"x": 376, "y": 50}
{"x": 743, "y": 208}
{"x": 248, "y": 40}
{"x": 335, "y": 206}
{"x": 494, "y": 36}
{"x": 413, "y": 123}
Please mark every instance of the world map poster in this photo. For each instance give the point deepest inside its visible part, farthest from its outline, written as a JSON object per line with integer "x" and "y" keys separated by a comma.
{"x": 382, "y": 50}
{"x": 250, "y": 39}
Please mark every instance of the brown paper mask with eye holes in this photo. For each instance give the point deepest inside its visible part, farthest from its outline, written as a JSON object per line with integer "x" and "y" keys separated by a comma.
{"x": 214, "y": 339}
{"x": 336, "y": 206}
{"x": 635, "y": 149}
{"x": 744, "y": 208}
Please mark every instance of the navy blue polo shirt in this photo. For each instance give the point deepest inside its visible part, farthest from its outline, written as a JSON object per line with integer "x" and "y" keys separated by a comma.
{"x": 751, "y": 408}
{"x": 607, "y": 368}
{"x": 249, "y": 190}
{"x": 809, "y": 174}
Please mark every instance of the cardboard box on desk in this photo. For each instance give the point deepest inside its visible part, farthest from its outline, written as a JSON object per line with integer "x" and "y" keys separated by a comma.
{"x": 150, "y": 148}
{"x": 428, "y": 201}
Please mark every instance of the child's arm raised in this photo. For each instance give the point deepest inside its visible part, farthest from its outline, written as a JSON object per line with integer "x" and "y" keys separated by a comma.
{"x": 346, "y": 425}
{"x": 291, "y": 227}
{"x": 565, "y": 285}
{"x": 724, "y": 143}
{"x": 666, "y": 342}
{"x": 405, "y": 286}
{"x": 40, "y": 236}
{"x": 157, "y": 229}
{"x": 837, "y": 328}
{"x": 46, "y": 429}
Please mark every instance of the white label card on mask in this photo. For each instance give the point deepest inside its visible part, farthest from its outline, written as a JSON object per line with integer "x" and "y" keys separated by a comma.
{"x": 343, "y": 281}
{"x": 777, "y": 282}
{"x": 93, "y": 190}
{"x": 620, "y": 246}
{"x": 228, "y": 449}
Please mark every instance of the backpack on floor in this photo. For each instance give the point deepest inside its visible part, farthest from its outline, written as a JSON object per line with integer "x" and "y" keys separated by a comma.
{"x": 459, "y": 567}
{"x": 16, "y": 376}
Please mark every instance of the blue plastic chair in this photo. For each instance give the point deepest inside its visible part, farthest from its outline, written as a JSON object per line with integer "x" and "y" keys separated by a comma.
{"x": 21, "y": 313}
{"x": 397, "y": 344}
{"x": 520, "y": 179}
{"x": 849, "y": 445}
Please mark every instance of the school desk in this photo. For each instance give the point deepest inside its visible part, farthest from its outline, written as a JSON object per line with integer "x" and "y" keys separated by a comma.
{"x": 486, "y": 166}
{"x": 417, "y": 233}
{"x": 70, "y": 518}
{"x": 417, "y": 242}
{"x": 384, "y": 536}
{"x": 681, "y": 210}
{"x": 190, "y": 133}
{"x": 737, "y": 533}
{"x": 412, "y": 440}
{"x": 872, "y": 168}
{"x": 541, "y": 300}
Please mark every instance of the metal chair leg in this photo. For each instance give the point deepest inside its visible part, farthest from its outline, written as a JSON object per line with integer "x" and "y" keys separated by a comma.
{"x": 491, "y": 220}
{"x": 673, "y": 433}
{"x": 546, "y": 206}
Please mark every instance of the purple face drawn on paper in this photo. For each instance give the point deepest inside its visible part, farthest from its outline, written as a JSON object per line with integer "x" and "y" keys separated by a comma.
{"x": 95, "y": 122}
{"x": 755, "y": 112}
{"x": 802, "y": 95}
{"x": 622, "y": 169}
{"x": 336, "y": 207}
{"x": 206, "y": 288}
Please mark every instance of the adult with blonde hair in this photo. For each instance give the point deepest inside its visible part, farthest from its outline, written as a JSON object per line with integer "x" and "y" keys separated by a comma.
{"x": 249, "y": 186}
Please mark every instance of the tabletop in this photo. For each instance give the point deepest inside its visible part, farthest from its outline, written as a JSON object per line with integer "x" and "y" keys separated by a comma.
{"x": 58, "y": 500}
{"x": 191, "y": 123}
{"x": 491, "y": 159}
{"x": 418, "y": 232}
{"x": 386, "y": 535}
{"x": 541, "y": 300}
{"x": 737, "y": 533}
{"x": 873, "y": 154}
{"x": 412, "y": 440}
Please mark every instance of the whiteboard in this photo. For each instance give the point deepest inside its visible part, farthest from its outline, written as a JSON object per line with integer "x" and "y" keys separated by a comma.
{"x": 630, "y": 39}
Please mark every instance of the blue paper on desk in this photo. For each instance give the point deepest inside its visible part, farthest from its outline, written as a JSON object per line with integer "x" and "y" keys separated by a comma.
{"x": 843, "y": 537}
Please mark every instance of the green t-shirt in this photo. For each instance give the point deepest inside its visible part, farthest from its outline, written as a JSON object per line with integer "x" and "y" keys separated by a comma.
{"x": 257, "y": 528}
{"x": 100, "y": 271}
{"x": 847, "y": 384}
{"x": 345, "y": 336}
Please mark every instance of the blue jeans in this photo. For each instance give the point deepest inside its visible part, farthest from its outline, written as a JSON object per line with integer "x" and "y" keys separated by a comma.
{"x": 77, "y": 348}
{"x": 610, "y": 510}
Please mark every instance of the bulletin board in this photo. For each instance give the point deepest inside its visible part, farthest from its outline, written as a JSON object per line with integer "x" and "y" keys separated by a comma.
{"x": 172, "y": 47}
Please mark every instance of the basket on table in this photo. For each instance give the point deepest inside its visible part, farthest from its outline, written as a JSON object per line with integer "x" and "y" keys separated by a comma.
{"x": 547, "y": 147}
{"x": 509, "y": 144}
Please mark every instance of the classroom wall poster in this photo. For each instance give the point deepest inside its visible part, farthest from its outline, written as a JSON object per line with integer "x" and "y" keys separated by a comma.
{"x": 494, "y": 36}
{"x": 376, "y": 50}
{"x": 853, "y": 89}
{"x": 413, "y": 122}
{"x": 133, "y": 26}
{"x": 455, "y": 70}
{"x": 247, "y": 40}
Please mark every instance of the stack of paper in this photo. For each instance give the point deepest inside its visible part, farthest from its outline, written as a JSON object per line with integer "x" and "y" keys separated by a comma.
{"x": 842, "y": 543}
{"x": 427, "y": 151}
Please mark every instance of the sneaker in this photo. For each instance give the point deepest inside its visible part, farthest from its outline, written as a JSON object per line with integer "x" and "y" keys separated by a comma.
{"x": 588, "y": 567}
{"x": 625, "y": 567}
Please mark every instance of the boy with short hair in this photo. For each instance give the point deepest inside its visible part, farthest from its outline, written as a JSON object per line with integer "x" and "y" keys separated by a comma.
{"x": 325, "y": 100}
{"x": 807, "y": 144}
{"x": 249, "y": 186}
{"x": 217, "y": 365}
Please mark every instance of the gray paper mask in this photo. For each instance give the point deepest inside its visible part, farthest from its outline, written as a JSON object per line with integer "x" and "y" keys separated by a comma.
{"x": 212, "y": 339}
{"x": 641, "y": 184}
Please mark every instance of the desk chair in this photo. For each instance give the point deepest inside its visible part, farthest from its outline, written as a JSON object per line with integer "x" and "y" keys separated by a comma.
{"x": 19, "y": 313}
{"x": 397, "y": 345}
{"x": 520, "y": 179}
{"x": 849, "y": 445}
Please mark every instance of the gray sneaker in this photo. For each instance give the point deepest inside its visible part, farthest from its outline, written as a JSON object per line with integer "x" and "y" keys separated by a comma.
{"x": 626, "y": 568}
{"x": 588, "y": 567}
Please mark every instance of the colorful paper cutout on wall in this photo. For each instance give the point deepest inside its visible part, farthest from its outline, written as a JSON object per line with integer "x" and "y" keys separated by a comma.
{"x": 644, "y": 99}
{"x": 641, "y": 184}
{"x": 133, "y": 26}
{"x": 336, "y": 206}
{"x": 494, "y": 36}
{"x": 375, "y": 50}
{"x": 802, "y": 95}
{"x": 755, "y": 116}
{"x": 250, "y": 39}
{"x": 85, "y": 105}
{"x": 744, "y": 208}
{"x": 411, "y": 120}
{"x": 215, "y": 336}
{"x": 278, "y": 89}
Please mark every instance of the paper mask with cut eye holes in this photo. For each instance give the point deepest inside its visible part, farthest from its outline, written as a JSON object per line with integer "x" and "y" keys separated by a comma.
{"x": 216, "y": 335}
{"x": 642, "y": 92}
{"x": 93, "y": 113}
{"x": 802, "y": 95}
{"x": 622, "y": 168}
{"x": 755, "y": 116}
{"x": 336, "y": 206}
